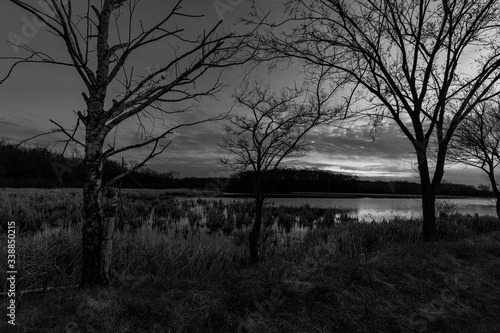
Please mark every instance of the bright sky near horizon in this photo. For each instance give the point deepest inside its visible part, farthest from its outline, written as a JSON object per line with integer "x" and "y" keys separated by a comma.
{"x": 36, "y": 93}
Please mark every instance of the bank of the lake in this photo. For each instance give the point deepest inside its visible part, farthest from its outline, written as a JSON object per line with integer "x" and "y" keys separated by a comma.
{"x": 342, "y": 276}
{"x": 339, "y": 195}
{"x": 447, "y": 286}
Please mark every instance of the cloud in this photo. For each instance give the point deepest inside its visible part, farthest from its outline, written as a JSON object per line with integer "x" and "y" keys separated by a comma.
{"x": 17, "y": 131}
{"x": 36, "y": 94}
{"x": 355, "y": 151}
{"x": 389, "y": 143}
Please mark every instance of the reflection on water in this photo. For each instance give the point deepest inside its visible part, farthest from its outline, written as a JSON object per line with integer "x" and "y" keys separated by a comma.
{"x": 199, "y": 230}
{"x": 377, "y": 209}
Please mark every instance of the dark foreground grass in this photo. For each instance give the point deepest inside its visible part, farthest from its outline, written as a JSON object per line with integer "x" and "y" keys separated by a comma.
{"x": 448, "y": 286}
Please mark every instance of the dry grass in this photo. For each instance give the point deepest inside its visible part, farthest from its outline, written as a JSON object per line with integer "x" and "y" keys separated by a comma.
{"x": 35, "y": 210}
{"x": 345, "y": 276}
{"x": 448, "y": 286}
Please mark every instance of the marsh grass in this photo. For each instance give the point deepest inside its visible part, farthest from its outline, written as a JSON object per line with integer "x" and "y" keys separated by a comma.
{"x": 51, "y": 257}
{"x": 447, "y": 286}
{"x": 343, "y": 275}
{"x": 36, "y": 210}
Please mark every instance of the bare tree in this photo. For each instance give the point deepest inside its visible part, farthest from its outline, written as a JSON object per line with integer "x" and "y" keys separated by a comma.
{"x": 477, "y": 143}
{"x": 101, "y": 39}
{"x": 423, "y": 64}
{"x": 275, "y": 129}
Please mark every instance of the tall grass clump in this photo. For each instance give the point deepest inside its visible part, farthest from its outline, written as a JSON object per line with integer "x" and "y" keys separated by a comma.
{"x": 35, "y": 210}
{"x": 45, "y": 260}
{"x": 53, "y": 260}
{"x": 166, "y": 259}
{"x": 356, "y": 239}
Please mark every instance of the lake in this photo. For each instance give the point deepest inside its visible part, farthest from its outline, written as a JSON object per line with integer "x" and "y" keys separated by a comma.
{"x": 368, "y": 209}
{"x": 380, "y": 208}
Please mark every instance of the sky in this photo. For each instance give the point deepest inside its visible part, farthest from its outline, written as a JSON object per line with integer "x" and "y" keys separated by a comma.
{"x": 37, "y": 93}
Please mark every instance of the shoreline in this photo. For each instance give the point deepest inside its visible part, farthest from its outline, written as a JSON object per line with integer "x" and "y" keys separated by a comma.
{"x": 345, "y": 195}
{"x": 200, "y": 192}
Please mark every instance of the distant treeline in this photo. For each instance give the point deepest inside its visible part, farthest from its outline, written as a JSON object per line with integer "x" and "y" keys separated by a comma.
{"x": 314, "y": 180}
{"x": 39, "y": 166}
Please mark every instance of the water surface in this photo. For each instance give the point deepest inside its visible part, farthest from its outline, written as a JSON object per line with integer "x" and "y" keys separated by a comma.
{"x": 386, "y": 208}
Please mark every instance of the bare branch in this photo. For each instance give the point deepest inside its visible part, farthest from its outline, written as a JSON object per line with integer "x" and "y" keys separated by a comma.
{"x": 477, "y": 141}
{"x": 100, "y": 41}
{"x": 276, "y": 126}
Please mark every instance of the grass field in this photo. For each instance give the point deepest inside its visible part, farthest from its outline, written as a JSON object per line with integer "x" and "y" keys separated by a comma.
{"x": 343, "y": 277}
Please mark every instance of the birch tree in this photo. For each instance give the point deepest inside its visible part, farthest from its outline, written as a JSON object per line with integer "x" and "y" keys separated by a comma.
{"x": 102, "y": 39}
{"x": 424, "y": 65}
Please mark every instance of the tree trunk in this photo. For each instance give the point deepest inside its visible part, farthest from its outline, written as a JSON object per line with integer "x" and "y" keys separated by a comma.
{"x": 494, "y": 187}
{"x": 107, "y": 237}
{"x": 92, "y": 230}
{"x": 429, "y": 229}
{"x": 254, "y": 238}
{"x": 498, "y": 206}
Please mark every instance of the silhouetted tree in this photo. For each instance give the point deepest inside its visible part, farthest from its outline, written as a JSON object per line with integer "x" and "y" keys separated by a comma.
{"x": 407, "y": 60}
{"x": 477, "y": 143}
{"x": 101, "y": 38}
{"x": 274, "y": 130}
